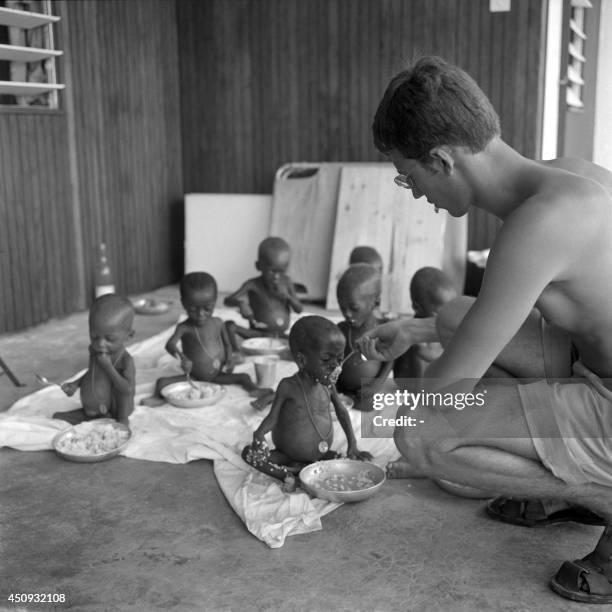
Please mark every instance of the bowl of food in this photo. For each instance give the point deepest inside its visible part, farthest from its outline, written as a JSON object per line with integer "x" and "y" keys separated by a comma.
{"x": 265, "y": 345}
{"x": 151, "y": 306}
{"x": 198, "y": 395}
{"x": 342, "y": 480}
{"x": 92, "y": 441}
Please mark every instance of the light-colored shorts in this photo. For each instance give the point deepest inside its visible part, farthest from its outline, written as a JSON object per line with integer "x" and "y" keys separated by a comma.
{"x": 571, "y": 426}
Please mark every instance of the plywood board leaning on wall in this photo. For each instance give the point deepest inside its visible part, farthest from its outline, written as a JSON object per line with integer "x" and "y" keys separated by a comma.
{"x": 222, "y": 233}
{"x": 304, "y": 214}
{"x": 406, "y": 232}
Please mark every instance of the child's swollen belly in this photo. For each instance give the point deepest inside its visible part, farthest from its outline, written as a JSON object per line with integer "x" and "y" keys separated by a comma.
{"x": 96, "y": 394}
{"x": 299, "y": 440}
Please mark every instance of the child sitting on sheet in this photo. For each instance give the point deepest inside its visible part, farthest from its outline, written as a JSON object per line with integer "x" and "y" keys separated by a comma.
{"x": 367, "y": 255}
{"x": 300, "y": 419}
{"x": 430, "y": 289}
{"x": 206, "y": 349}
{"x": 265, "y": 301}
{"x": 358, "y": 293}
{"x": 107, "y": 387}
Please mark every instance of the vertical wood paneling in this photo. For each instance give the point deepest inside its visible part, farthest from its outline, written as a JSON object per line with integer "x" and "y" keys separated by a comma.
{"x": 125, "y": 86}
{"x": 318, "y": 70}
{"x": 37, "y": 266}
{"x": 125, "y": 65}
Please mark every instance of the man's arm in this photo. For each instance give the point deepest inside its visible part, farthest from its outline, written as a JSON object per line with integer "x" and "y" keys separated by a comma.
{"x": 533, "y": 248}
{"x": 390, "y": 340}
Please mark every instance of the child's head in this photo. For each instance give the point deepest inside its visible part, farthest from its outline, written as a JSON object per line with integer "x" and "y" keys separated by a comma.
{"x": 110, "y": 323}
{"x": 198, "y": 296}
{"x": 273, "y": 257}
{"x": 368, "y": 255}
{"x": 430, "y": 288}
{"x": 358, "y": 293}
{"x": 317, "y": 346}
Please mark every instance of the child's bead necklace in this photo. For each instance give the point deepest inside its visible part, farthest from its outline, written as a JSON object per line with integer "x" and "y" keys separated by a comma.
{"x": 323, "y": 445}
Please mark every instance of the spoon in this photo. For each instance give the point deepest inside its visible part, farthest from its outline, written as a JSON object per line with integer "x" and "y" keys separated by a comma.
{"x": 353, "y": 352}
{"x": 187, "y": 375}
{"x": 190, "y": 381}
{"x": 45, "y": 381}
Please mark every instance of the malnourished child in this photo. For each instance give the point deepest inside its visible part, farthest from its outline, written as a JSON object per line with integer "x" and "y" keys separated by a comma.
{"x": 107, "y": 387}
{"x": 430, "y": 289}
{"x": 206, "y": 349}
{"x": 266, "y": 301}
{"x": 300, "y": 418}
{"x": 358, "y": 293}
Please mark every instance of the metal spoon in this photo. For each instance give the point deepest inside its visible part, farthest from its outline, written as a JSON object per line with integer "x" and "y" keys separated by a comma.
{"x": 190, "y": 381}
{"x": 354, "y": 352}
{"x": 187, "y": 375}
{"x": 45, "y": 381}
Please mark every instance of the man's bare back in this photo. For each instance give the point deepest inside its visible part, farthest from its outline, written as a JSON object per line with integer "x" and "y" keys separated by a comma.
{"x": 579, "y": 301}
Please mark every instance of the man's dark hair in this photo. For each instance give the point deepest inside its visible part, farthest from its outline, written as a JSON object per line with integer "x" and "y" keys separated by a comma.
{"x": 433, "y": 103}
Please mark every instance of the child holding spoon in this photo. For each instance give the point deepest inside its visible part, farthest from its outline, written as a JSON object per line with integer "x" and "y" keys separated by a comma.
{"x": 206, "y": 353}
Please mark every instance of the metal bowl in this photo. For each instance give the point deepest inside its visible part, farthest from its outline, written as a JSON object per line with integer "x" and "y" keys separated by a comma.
{"x": 462, "y": 490}
{"x": 321, "y": 479}
{"x": 265, "y": 345}
{"x": 151, "y": 306}
{"x": 71, "y": 444}
{"x": 182, "y": 394}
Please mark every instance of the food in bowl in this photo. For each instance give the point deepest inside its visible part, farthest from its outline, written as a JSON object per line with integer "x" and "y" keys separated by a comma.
{"x": 99, "y": 439}
{"x": 264, "y": 346}
{"x": 184, "y": 395}
{"x": 342, "y": 480}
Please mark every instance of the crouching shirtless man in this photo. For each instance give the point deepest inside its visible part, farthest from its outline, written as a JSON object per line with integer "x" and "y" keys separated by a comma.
{"x": 544, "y": 312}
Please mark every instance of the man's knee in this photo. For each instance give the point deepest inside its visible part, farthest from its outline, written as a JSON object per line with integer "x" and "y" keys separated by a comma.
{"x": 450, "y": 316}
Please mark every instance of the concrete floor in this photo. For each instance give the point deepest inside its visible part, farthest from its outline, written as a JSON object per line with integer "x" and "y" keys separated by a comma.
{"x": 137, "y": 535}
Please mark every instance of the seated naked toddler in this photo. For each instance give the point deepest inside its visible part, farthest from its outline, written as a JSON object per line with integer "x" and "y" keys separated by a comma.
{"x": 300, "y": 418}
{"x": 206, "y": 349}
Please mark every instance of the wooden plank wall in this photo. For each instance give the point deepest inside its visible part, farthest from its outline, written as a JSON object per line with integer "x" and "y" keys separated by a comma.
{"x": 267, "y": 82}
{"x": 127, "y": 130}
{"x": 125, "y": 136}
{"x": 37, "y": 259}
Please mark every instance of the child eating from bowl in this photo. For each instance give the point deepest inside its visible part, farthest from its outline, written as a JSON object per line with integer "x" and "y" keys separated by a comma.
{"x": 107, "y": 387}
{"x": 358, "y": 293}
{"x": 206, "y": 349}
{"x": 430, "y": 289}
{"x": 300, "y": 419}
{"x": 267, "y": 300}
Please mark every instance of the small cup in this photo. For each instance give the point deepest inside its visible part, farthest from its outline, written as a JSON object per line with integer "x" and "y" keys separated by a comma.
{"x": 265, "y": 370}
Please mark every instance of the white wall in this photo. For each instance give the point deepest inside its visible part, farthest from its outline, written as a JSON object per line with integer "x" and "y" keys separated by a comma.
{"x": 602, "y": 145}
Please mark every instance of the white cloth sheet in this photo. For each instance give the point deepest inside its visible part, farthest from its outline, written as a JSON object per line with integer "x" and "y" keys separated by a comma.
{"x": 177, "y": 435}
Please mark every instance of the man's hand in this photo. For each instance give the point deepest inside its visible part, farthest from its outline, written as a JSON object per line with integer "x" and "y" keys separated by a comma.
{"x": 385, "y": 342}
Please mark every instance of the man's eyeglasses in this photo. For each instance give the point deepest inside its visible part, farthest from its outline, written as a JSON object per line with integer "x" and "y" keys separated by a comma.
{"x": 402, "y": 180}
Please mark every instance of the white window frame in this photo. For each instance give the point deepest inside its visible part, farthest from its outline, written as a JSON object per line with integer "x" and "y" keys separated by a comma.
{"x": 21, "y": 91}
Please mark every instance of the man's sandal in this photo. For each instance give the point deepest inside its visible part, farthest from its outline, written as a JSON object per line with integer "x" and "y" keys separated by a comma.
{"x": 531, "y": 513}
{"x": 582, "y": 580}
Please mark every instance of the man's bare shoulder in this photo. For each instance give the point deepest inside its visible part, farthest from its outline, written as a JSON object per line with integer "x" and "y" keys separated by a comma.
{"x": 561, "y": 201}
{"x": 584, "y": 168}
